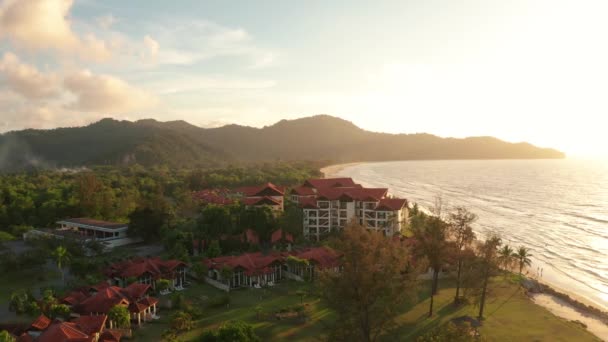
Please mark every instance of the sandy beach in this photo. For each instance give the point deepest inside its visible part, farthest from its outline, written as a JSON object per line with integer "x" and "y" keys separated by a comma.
{"x": 332, "y": 170}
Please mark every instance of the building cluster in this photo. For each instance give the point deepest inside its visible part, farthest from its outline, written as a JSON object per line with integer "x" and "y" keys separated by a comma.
{"x": 329, "y": 204}
{"x": 80, "y": 329}
{"x": 268, "y": 195}
{"x": 259, "y": 269}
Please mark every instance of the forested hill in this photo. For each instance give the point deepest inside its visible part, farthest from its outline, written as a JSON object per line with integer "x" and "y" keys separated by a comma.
{"x": 180, "y": 144}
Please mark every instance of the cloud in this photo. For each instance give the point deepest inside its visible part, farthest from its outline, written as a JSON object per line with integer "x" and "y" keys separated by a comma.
{"x": 27, "y": 80}
{"x": 152, "y": 46}
{"x": 104, "y": 93}
{"x": 106, "y": 21}
{"x": 45, "y": 25}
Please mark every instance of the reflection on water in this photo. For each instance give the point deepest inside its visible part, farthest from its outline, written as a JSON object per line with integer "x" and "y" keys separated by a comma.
{"x": 558, "y": 208}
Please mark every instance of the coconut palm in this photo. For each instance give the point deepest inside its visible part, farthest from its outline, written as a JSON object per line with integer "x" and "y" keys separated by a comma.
{"x": 506, "y": 257}
{"x": 61, "y": 256}
{"x": 523, "y": 258}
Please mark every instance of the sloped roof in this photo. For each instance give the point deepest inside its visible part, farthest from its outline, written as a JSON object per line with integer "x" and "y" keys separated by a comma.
{"x": 91, "y": 324}
{"x": 138, "y": 267}
{"x": 320, "y": 183}
{"x": 41, "y": 323}
{"x": 266, "y": 200}
{"x": 277, "y": 236}
{"x": 251, "y": 262}
{"x": 391, "y": 204}
{"x": 110, "y": 336}
{"x": 104, "y": 300}
{"x": 64, "y": 332}
{"x": 303, "y": 191}
{"x": 267, "y": 189}
{"x": 94, "y": 223}
{"x": 324, "y": 257}
{"x": 213, "y": 196}
{"x": 359, "y": 194}
{"x": 308, "y": 203}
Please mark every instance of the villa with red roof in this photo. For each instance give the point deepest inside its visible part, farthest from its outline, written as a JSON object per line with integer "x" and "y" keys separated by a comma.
{"x": 328, "y": 204}
{"x": 147, "y": 271}
{"x": 269, "y": 195}
{"x": 81, "y": 329}
{"x": 99, "y": 299}
{"x": 253, "y": 269}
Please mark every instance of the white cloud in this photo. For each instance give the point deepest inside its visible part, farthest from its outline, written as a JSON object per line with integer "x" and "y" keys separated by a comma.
{"x": 106, "y": 21}
{"x": 152, "y": 46}
{"x": 27, "y": 80}
{"x": 45, "y": 25}
{"x": 104, "y": 93}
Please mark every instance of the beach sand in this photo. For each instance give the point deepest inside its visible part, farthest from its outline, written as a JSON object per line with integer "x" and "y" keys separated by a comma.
{"x": 332, "y": 170}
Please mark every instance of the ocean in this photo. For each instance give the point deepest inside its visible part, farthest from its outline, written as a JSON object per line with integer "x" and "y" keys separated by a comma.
{"x": 557, "y": 208}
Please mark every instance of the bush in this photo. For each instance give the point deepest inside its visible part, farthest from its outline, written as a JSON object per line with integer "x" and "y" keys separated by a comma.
{"x": 221, "y": 301}
{"x": 236, "y": 331}
{"x": 181, "y": 321}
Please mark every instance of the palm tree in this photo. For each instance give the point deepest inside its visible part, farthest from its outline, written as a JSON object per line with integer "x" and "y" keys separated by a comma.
{"x": 506, "y": 257}
{"x": 61, "y": 256}
{"x": 523, "y": 257}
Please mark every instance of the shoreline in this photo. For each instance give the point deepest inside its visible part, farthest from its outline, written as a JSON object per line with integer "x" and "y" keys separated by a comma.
{"x": 558, "y": 301}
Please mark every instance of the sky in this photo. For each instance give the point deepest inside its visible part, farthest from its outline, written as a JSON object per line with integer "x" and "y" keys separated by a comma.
{"x": 526, "y": 70}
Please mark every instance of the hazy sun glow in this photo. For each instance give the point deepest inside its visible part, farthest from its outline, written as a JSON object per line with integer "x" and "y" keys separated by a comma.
{"x": 521, "y": 70}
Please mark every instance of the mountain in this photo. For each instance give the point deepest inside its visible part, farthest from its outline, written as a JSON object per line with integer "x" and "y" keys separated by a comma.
{"x": 180, "y": 144}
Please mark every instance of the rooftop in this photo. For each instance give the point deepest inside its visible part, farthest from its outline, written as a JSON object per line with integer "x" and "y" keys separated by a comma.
{"x": 84, "y": 221}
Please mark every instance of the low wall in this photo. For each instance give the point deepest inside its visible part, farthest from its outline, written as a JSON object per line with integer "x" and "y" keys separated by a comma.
{"x": 217, "y": 284}
{"x": 292, "y": 276}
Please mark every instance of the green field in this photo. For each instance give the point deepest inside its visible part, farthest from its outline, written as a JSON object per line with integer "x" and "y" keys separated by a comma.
{"x": 510, "y": 315}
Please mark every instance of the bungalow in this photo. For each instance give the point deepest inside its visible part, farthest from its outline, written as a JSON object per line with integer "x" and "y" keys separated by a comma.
{"x": 99, "y": 299}
{"x": 110, "y": 234}
{"x": 245, "y": 270}
{"x": 81, "y": 329}
{"x": 147, "y": 271}
{"x": 258, "y": 269}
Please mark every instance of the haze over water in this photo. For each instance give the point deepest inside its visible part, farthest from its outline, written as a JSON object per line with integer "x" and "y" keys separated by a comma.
{"x": 558, "y": 208}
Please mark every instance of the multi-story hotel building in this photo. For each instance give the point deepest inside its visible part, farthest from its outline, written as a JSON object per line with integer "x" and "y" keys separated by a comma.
{"x": 329, "y": 204}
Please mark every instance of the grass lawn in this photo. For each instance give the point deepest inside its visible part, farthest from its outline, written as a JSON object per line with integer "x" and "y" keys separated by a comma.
{"x": 510, "y": 315}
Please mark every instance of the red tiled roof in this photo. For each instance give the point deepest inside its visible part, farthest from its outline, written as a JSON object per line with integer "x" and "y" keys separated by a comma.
{"x": 308, "y": 203}
{"x": 330, "y": 183}
{"x": 110, "y": 336}
{"x": 104, "y": 300}
{"x": 137, "y": 290}
{"x": 138, "y": 267}
{"x": 251, "y": 262}
{"x": 324, "y": 257}
{"x": 91, "y": 324}
{"x": 95, "y": 223}
{"x": 64, "y": 332}
{"x": 25, "y": 337}
{"x": 303, "y": 191}
{"x": 360, "y": 194}
{"x": 260, "y": 201}
{"x": 267, "y": 189}
{"x": 41, "y": 323}
{"x": 277, "y": 236}
{"x": 213, "y": 196}
{"x": 391, "y": 204}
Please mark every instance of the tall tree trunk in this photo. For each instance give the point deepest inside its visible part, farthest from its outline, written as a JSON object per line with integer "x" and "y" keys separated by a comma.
{"x": 457, "y": 297}
{"x": 435, "y": 281}
{"x": 483, "y": 292}
{"x": 433, "y": 290}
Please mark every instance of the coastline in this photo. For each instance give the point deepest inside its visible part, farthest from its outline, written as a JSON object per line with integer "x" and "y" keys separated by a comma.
{"x": 560, "y": 302}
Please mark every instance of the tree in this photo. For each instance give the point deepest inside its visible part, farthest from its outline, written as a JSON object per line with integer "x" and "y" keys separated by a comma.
{"x": 61, "y": 256}
{"x": 162, "y": 284}
{"x": 461, "y": 232}
{"x": 213, "y": 250}
{"x": 199, "y": 270}
{"x": 59, "y": 311}
{"x": 506, "y": 257}
{"x": 449, "y": 332}
{"x": 373, "y": 285}
{"x": 488, "y": 252}
{"x": 5, "y": 336}
{"x": 233, "y": 331}
{"x": 181, "y": 321}
{"x": 523, "y": 258}
{"x": 119, "y": 316}
{"x": 432, "y": 244}
{"x": 226, "y": 274}
{"x": 147, "y": 223}
{"x": 19, "y": 300}
{"x": 301, "y": 294}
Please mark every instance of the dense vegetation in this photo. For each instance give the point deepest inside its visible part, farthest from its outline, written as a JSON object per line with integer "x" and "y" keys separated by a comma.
{"x": 41, "y": 198}
{"x": 179, "y": 144}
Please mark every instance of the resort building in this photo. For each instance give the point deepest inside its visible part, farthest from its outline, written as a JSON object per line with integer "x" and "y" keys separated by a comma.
{"x": 81, "y": 329}
{"x": 99, "y": 299}
{"x": 258, "y": 269}
{"x": 147, "y": 271}
{"x": 269, "y": 195}
{"x": 329, "y": 204}
{"x": 111, "y": 234}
